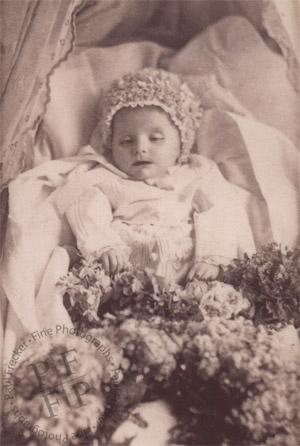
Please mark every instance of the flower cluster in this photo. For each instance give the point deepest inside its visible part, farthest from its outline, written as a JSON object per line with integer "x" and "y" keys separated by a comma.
{"x": 153, "y": 87}
{"x": 139, "y": 295}
{"x": 147, "y": 348}
{"x": 223, "y": 300}
{"x": 89, "y": 293}
{"x": 46, "y": 370}
{"x": 84, "y": 289}
{"x": 225, "y": 378}
{"x": 176, "y": 340}
{"x": 233, "y": 387}
{"x": 270, "y": 280}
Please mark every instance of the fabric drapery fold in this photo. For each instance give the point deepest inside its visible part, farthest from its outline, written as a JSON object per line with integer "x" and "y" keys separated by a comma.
{"x": 44, "y": 39}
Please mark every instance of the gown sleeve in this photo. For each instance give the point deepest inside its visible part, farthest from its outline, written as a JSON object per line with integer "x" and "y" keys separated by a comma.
{"x": 90, "y": 218}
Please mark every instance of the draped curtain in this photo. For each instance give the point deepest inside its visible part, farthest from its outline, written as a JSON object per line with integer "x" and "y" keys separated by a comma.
{"x": 36, "y": 37}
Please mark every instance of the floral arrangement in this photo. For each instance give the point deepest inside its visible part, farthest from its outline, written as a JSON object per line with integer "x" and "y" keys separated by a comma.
{"x": 196, "y": 346}
{"x": 270, "y": 280}
{"x": 245, "y": 390}
{"x": 89, "y": 294}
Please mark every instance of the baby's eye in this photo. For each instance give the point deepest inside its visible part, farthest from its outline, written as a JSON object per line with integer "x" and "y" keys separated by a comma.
{"x": 127, "y": 140}
{"x": 156, "y": 137}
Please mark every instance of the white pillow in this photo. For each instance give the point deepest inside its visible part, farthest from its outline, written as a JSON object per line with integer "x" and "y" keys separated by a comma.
{"x": 75, "y": 89}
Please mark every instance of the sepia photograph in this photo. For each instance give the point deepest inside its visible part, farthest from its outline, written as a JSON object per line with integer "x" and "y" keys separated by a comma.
{"x": 150, "y": 222}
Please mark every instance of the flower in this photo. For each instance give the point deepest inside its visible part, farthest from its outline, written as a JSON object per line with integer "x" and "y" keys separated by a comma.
{"x": 223, "y": 300}
{"x": 156, "y": 349}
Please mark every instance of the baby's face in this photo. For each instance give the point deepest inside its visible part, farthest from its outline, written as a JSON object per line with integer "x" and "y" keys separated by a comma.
{"x": 145, "y": 142}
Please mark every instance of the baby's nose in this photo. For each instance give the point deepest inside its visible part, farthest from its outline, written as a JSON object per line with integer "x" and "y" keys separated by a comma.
{"x": 141, "y": 145}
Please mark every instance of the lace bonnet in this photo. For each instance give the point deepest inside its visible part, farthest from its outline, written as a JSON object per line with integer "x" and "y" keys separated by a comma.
{"x": 153, "y": 87}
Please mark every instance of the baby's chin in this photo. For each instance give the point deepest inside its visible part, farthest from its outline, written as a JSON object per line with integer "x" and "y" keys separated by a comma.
{"x": 147, "y": 172}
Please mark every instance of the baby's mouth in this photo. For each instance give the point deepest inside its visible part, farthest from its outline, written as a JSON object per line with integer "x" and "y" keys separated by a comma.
{"x": 141, "y": 163}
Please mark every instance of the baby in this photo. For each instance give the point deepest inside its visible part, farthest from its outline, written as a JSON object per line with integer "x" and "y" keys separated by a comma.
{"x": 151, "y": 202}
